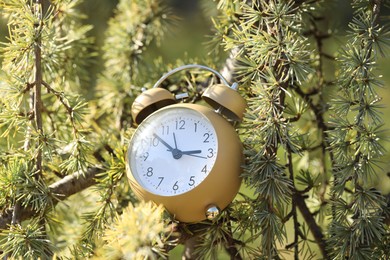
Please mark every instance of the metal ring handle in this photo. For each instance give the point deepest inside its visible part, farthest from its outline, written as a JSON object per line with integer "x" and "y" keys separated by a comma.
{"x": 192, "y": 66}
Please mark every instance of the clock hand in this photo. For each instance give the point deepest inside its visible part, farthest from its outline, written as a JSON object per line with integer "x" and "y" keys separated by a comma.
{"x": 191, "y": 152}
{"x": 199, "y": 156}
{"x": 176, "y": 153}
{"x": 174, "y": 139}
{"x": 184, "y": 152}
{"x": 170, "y": 148}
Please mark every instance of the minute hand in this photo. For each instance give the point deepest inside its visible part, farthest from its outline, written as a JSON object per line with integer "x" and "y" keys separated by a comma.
{"x": 170, "y": 148}
{"x": 193, "y": 153}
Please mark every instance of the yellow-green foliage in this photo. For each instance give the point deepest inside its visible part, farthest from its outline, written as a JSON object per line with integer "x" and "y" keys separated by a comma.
{"x": 135, "y": 234}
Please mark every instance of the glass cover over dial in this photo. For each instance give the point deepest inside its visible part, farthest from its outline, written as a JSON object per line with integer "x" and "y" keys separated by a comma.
{"x": 173, "y": 151}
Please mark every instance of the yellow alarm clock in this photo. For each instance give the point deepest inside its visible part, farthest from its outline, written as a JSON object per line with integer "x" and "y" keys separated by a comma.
{"x": 187, "y": 156}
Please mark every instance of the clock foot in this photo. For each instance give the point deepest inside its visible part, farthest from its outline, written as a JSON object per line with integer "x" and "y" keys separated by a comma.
{"x": 212, "y": 212}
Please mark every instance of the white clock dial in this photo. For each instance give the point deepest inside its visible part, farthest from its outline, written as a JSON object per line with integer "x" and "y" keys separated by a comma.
{"x": 173, "y": 151}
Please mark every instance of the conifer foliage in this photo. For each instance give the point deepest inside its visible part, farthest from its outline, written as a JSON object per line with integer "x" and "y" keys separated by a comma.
{"x": 313, "y": 132}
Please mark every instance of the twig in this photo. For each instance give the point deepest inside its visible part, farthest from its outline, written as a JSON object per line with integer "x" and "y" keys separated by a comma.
{"x": 28, "y": 87}
{"x": 231, "y": 244}
{"x": 38, "y": 84}
{"x": 293, "y": 206}
{"x": 190, "y": 247}
{"x": 61, "y": 98}
{"x": 314, "y": 228}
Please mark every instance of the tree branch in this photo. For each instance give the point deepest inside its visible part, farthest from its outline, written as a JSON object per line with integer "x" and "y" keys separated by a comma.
{"x": 61, "y": 189}
{"x": 314, "y": 228}
{"x": 72, "y": 184}
{"x": 229, "y": 69}
{"x": 190, "y": 247}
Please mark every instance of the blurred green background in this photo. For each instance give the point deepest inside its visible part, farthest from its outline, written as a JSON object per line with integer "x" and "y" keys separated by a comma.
{"x": 193, "y": 29}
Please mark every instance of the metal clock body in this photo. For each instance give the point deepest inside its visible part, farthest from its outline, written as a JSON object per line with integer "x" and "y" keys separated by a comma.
{"x": 186, "y": 157}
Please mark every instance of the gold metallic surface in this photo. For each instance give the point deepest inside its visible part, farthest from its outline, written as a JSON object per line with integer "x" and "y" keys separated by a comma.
{"x": 149, "y": 101}
{"x": 233, "y": 105}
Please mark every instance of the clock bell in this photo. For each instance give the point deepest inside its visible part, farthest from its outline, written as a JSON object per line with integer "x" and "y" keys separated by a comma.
{"x": 224, "y": 98}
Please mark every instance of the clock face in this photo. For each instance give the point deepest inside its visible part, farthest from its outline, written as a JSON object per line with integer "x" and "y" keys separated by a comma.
{"x": 173, "y": 151}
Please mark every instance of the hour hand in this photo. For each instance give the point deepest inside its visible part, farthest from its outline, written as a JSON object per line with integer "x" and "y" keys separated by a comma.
{"x": 170, "y": 148}
{"x": 191, "y": 152}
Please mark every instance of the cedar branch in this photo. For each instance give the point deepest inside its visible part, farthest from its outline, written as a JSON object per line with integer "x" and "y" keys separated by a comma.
{"x": 38, "y": 83}
{"x": 61, "y": 189}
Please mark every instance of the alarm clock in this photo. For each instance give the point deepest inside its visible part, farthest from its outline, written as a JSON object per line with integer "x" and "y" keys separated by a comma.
{"x": 187, "y": 156}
